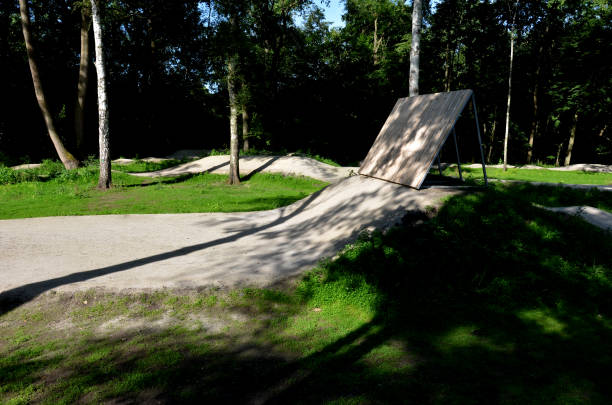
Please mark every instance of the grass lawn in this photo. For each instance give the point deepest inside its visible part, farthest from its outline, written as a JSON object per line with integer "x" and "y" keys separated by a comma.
{"x": 74, "y": 193}
{"x": 492, "y": 300}
{"x": 538, "y": 175}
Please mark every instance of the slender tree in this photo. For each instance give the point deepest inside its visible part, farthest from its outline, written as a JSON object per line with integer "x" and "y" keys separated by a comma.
{"x": 105, "y": 180}
{"x": 536, "y": 90}
{"x": 571, "y": 140}
{"x": 245, "y": 128}
{"x": 69, "y": 161}
{"x": 415, "y": 48}
{"x": 232, "y": 66}
{"x": 79, "y": 111}
{"x": 507, "y": 129}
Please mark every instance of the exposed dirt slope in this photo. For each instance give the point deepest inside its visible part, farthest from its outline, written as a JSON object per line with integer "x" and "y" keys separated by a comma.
{"x": 291, "y": 165}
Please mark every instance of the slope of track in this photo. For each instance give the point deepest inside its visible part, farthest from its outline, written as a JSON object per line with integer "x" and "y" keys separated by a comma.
{"x": 289, "y": 165}
{"x": 121, "y": 252}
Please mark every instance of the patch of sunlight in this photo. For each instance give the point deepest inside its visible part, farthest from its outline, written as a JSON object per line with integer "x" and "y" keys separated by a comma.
{"x": 469, "y": 336}
{"x": 545, "y": 232}
{"x": 315, "y": 328}
{"x": 389, "y": 357}
{"x": 544, "y": 320}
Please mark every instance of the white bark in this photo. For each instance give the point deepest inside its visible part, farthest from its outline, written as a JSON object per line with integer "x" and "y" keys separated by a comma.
{"x": 507, "y": 130}
{"x": 415, "y": 47}
{"x": 103, "y": 130}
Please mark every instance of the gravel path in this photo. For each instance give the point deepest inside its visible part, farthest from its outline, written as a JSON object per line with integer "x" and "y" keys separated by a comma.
{"x": 120, "y": 252}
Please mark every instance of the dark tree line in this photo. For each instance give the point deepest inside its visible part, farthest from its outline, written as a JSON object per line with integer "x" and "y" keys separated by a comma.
{"x": 304, "y": 85}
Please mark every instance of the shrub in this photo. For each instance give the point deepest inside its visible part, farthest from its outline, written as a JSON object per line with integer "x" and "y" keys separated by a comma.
{"x": 7, "y": 175}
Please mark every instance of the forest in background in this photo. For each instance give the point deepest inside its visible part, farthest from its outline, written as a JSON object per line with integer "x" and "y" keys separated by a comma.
{"x": 306, "y": 86}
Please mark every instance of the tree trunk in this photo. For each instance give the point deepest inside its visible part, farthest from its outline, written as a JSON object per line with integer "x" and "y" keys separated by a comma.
{"x": 79, "y": 111}
{"x": 603, "y": 130}
{"x": 558, "y": 157}
{"x": 376, "y": 44}
{"x": 415, "y": 47}
{"x": 536, "y": 122}
{"x": 507, "y": 130}
{"x": 105, "y": 180}
{"x": 234, "y": 175}
{"x": 245, "y": 128}
{"x": 69, "y": 161}
{"x": 570, "y": 143}
{"x": 447, "y": 67}
{"x": 492, "y": 138}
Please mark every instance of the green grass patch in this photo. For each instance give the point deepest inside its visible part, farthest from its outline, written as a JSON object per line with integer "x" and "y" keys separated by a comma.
{"x": 493, "y": 300}
{"x": 74, "y": 193}
{"x": 538, "y": 175}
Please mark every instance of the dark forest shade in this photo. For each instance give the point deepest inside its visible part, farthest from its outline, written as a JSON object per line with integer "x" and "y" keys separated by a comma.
{"x": 312, "y": 88}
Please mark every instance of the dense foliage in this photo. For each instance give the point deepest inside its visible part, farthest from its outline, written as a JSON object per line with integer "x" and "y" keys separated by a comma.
{"x": 308, "y": 86}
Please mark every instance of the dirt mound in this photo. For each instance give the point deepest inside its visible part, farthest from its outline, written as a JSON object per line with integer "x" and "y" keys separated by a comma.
{"x": 290, "y": 165}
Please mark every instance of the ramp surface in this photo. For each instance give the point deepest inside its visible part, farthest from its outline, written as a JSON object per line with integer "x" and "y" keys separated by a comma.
{"x": 412, "y": 136}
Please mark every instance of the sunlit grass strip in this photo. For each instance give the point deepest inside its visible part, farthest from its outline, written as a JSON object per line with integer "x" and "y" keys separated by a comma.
{"x": 134, "y": 195}
{"x": 537, "y": 175}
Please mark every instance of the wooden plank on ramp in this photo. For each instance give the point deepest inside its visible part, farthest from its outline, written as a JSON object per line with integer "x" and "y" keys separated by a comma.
{"x": 412, "y": 136}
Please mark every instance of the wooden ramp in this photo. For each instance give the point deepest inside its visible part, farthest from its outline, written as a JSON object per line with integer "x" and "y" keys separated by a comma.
{"x": 412, "y": 137}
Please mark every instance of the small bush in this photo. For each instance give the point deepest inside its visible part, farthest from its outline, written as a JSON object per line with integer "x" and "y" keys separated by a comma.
{"x": 11, "y": 176}
{"x": 7, "y": 175}
{"x": 51, "y": 168}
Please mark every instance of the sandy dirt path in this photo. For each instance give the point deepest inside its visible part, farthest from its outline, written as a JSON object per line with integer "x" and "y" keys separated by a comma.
{"x": 290, "y": 165}
{"x": 600, "y": 218}
{"x": 120, "y": 252}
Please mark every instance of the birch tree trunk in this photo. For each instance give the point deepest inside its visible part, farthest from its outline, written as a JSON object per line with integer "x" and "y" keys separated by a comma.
{"x": 105, "y": 180}
{"x": 570, "y": 143}
{"x": 234, "y": 175}
{"x": 69, "y": 161}
{"x": 79, "y": 111}
{"x": 507, "y": 130}
{"x": 415, "y": 47}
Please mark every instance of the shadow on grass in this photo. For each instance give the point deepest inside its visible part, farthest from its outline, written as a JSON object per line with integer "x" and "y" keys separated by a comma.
{"x": 496, "y": 300}
{"x": 491, "y": 301}
{"x": 161, "y": 180}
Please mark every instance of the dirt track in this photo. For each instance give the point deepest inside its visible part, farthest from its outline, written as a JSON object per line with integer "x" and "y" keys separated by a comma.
{"x": 121, "y": 252}
{"x": 291, "y": 165}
